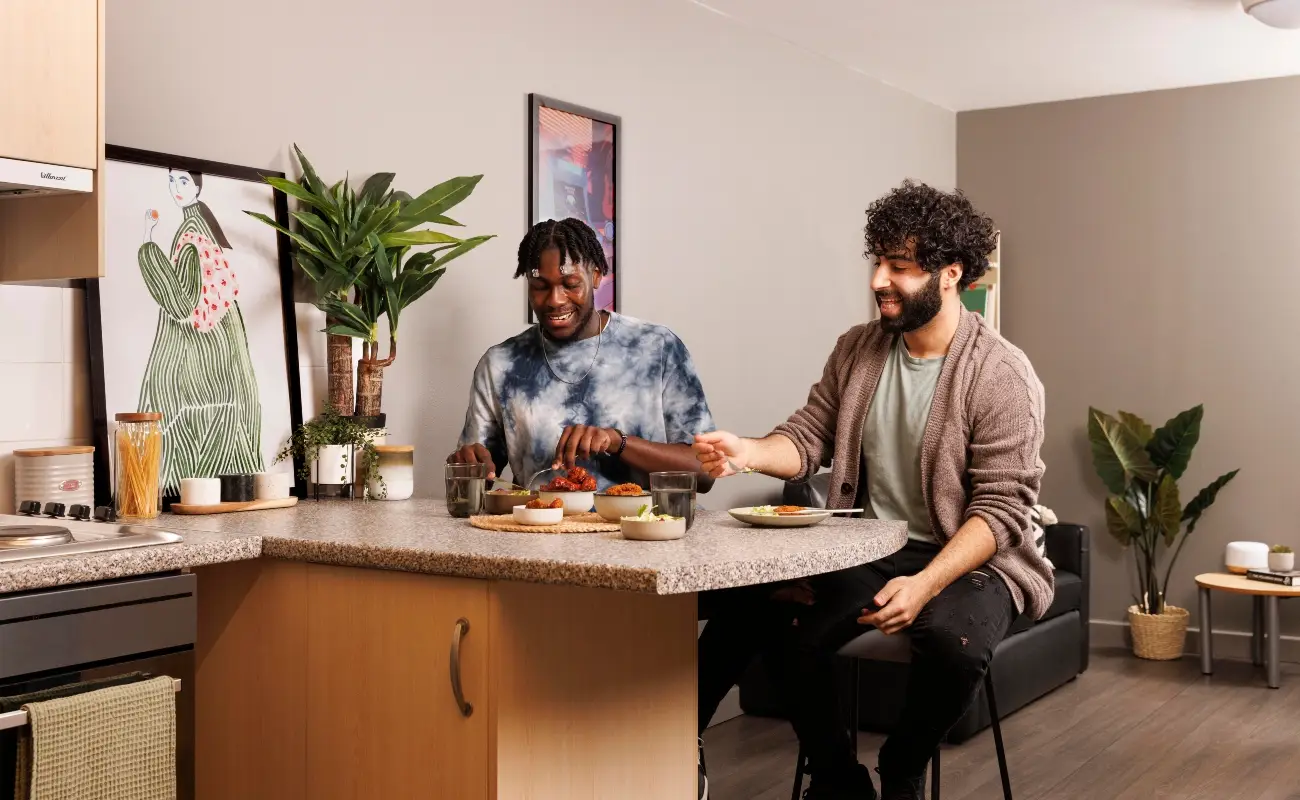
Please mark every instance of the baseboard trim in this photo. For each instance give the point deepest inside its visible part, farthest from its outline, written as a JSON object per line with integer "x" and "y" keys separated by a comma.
{"x": 1233, "y": 645}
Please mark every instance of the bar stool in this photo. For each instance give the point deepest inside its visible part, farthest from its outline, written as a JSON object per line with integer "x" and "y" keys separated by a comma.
{"x": 876, "y": 646}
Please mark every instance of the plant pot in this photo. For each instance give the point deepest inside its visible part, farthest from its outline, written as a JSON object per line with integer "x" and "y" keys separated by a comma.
{"x": 1158, "y": 637}
{"x": 394, "y": 473}
{"x": 332, "y": 465}
{"x": 1281, "y": 562}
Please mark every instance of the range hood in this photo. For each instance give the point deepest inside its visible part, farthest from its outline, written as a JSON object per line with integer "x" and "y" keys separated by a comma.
{"x": 31, "y": 179}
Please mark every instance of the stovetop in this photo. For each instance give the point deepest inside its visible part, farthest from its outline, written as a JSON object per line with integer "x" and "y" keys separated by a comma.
{"x": 60, "y": 532}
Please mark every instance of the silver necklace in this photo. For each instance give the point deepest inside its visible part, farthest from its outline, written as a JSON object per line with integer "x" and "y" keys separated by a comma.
{"x": 600, "y": 336}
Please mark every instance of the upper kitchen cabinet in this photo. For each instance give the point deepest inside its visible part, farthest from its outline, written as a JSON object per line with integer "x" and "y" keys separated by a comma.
{"x": 51, "y": 126}
{"x": 49, "y": 81}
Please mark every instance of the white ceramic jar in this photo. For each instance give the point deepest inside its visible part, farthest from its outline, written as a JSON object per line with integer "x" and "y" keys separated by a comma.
{"x": 394, "y": 474}
{"x": 55, "y": 475}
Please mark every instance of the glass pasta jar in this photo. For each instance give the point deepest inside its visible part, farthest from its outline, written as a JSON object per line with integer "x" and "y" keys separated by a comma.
{"x": 137, "y": 465}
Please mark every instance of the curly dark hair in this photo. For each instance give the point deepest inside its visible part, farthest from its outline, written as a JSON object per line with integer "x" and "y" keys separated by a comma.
{"x": 944, "y": 225}
{"x": 575, "y": 240}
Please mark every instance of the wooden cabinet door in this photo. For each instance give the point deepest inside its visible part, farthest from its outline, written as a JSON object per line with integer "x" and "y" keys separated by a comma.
{"x": 49, "y": 81}
{"x": 382, "y": 721}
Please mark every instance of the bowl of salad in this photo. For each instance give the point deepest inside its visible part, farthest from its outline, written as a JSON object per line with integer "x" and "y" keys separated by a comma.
{"x": 577, "y": 490}
{"x": 647, "y": 526}
{"x": 501, "y": 501}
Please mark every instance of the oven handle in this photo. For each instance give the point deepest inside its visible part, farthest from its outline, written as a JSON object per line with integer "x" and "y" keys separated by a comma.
{"x": 18, "y": 719}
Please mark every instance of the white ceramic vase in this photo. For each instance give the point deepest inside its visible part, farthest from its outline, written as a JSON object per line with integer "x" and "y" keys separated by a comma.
{"x": 332, "y": 465}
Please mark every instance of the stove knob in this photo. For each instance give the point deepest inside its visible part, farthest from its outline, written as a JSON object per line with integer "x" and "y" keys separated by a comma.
{"x": 105, "y": 514}
{"x": 55, "y": 509}
{"x": 29, "y": 507}
{"x": 80, "y": 512}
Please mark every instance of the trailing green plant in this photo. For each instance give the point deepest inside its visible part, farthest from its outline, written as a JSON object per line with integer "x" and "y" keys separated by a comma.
{"x": 332, "y": 428}
{"x": 1140, "y": 468}
{"x": 356, "y": 249}
{"x": 1280, "y": 548}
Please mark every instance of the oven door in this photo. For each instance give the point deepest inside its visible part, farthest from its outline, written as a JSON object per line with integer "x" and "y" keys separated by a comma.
{"x": 178, "y": 664}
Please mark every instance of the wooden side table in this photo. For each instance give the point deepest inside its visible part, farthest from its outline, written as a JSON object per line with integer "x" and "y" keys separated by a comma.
{"x": 1265, "y": 637}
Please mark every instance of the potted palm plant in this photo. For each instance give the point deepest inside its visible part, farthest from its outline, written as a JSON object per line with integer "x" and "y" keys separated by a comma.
{"x": 1140, "y": 468}
{"x": 356, "y": 248}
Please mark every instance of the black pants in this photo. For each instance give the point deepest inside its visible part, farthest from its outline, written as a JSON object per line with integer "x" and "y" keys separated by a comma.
{"x": 952, "y": 643}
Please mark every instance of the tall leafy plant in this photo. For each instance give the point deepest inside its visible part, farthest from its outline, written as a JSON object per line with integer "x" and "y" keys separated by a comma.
{"x": 356, "y": 248}
{"x": 1140, "y": 468}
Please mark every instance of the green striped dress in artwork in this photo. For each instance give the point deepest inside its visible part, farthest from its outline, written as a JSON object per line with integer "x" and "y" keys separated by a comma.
{"x": 199, "y": 375}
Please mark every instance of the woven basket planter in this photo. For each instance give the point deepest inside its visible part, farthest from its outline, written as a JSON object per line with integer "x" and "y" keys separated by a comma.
{"x": 1159, "y": 637}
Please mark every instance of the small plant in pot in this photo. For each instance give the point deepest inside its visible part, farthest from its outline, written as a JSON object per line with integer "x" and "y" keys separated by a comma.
{"x": 1281, "y": 558}
{"x": 1140, "y": 468}
{"x": 327, "y": 445}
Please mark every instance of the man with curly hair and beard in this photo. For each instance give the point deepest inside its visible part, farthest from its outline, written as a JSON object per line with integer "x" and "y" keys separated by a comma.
{"x": 929, "y": 416}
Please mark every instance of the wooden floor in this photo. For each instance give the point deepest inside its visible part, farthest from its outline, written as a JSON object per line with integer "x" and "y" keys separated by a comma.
{"x": 1124, "y": 729}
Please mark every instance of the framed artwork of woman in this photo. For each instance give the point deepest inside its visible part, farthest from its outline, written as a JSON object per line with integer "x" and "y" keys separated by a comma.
{"x": 194, "y": 318}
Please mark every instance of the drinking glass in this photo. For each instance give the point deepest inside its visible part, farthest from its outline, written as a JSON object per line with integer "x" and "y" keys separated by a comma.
{"x": 673, "y": 493}
{"x": 466, "y": 489}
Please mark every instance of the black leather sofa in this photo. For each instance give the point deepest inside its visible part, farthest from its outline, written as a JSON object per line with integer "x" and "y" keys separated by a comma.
{"x": 1034, "y": 659}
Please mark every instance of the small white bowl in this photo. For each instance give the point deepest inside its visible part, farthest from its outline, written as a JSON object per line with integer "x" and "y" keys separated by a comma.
{"x": 574, "y": 502}
{"x": 538, "y": 516}
{"x": 659, "y": 531}
{"x": 614, "y": 507}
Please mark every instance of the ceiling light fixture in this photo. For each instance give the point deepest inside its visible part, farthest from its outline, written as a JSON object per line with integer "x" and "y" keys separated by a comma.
{"x": 1274, "y": 13}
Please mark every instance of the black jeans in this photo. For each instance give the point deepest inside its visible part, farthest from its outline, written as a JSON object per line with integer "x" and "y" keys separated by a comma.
{"x": 952, "y": 643}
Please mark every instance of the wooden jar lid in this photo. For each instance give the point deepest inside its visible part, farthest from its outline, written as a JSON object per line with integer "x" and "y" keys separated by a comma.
{"x": 139, "y": 416}
{"x": 394, "y": 448}
{"x": 71, "y": 450}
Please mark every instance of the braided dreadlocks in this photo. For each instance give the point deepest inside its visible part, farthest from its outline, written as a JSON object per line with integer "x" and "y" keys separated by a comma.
{"x": 576, "y": 242}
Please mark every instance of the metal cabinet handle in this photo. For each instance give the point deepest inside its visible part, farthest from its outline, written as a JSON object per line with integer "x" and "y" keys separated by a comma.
{"x": 462, "y": 628}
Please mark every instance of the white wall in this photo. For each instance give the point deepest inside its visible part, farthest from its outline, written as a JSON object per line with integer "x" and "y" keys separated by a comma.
{"x": 44, "y": 386}
{"x": 747, "y": 164}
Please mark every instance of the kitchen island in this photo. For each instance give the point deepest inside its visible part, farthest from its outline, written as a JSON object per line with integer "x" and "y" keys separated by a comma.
{"x": 386, "y": 650}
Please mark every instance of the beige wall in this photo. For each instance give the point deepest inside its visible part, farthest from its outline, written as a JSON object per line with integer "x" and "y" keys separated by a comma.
{"x": 747, "y": 164}
{"x": 1150, "y": 255}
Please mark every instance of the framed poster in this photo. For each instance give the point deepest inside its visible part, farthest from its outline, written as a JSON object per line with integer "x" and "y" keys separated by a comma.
{"x": 194, "y": 317}
{"x": 573, "y": 166}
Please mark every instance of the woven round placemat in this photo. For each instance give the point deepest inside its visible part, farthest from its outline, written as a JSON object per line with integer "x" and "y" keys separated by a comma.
{"x": 589, "y": 522}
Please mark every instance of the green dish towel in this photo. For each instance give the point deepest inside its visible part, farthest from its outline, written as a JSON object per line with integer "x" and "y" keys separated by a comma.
{"x": 117, "y": 743}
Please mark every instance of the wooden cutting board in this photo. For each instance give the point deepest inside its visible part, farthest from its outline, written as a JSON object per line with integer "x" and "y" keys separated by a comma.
{"x": 226, "y": 508}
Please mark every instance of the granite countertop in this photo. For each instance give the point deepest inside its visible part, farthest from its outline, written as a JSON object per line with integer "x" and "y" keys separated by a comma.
{"x": 419, "y": 536}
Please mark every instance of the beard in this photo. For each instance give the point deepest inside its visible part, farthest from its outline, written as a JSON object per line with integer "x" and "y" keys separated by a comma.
{"x": 584, "y": 314}
{"x": 914, "y": 310}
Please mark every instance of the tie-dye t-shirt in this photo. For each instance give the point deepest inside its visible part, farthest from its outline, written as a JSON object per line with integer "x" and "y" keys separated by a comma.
{"x": 643, "y": 383}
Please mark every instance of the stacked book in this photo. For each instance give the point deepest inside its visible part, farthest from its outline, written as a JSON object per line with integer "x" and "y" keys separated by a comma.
{"x": 1268, "y": 576}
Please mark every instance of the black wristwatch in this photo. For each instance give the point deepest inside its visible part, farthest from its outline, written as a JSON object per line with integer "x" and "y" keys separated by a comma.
{"x": 622, "y": 445}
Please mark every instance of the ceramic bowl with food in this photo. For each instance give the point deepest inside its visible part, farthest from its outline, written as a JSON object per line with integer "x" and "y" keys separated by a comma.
{"x": 574, "y": 502}
{"x": 623, "y": 500}
{"x": 538, "y": 516}
{"x": 501, "y": 501}
{"x": 653, "y": 528}
{"x": 577, "y": 489}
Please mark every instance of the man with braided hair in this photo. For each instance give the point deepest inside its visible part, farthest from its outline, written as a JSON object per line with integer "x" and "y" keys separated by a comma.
{"x": 612, "y": 394}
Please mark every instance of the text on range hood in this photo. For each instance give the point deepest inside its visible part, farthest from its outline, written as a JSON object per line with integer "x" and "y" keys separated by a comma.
{"x": 32, "y": 179}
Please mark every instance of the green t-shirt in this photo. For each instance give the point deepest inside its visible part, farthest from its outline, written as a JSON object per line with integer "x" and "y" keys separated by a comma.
{"x": 891, "y": 441}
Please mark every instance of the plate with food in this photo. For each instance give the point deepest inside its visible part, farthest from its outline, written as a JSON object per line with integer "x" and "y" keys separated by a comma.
{"x": 647, "y": 526}
{"x": 780, "y": 516}
{"x": 623, "y": 500}
{"x": 576, "y": 488}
